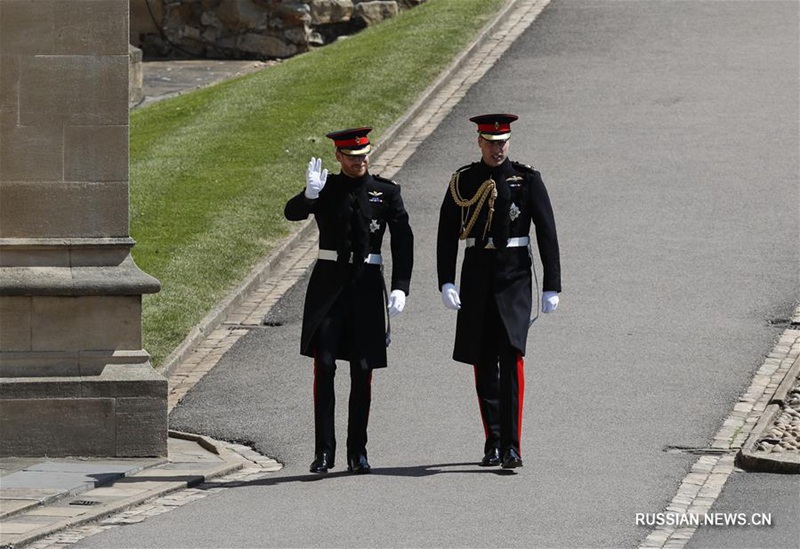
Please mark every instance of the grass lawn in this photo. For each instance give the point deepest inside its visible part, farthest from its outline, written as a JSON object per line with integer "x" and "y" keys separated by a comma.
{"x": 211, "y": 170}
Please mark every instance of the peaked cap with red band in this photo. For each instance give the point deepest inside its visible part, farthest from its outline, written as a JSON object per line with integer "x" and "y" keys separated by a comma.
{"x": 494, "y": 127}
{"x": 353, "y": 142}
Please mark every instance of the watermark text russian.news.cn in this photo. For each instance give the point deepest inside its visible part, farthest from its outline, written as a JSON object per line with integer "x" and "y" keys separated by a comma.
{"x": 703, "y": 519}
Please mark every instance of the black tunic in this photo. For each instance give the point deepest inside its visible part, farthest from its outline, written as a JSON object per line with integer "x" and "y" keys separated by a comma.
{"x": 503, "y": 274}
{"x": 376, "y": 203}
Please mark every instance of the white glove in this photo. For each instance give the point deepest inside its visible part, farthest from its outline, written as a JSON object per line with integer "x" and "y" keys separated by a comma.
{"x": 450, "y": 296}
{"x": 315, "y": 179}
{"x": 549, "y": 301}
{"x": 397, "y": 300}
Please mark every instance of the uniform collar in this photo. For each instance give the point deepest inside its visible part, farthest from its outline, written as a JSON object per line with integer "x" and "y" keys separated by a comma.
{"x": 353, "y": 182}
{"x": 497, "y": 172}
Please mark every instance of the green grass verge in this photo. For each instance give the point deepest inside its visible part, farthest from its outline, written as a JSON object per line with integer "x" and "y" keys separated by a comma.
{"x": 211, "y": 170}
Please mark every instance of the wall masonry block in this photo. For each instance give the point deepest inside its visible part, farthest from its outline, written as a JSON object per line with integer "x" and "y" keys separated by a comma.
{"x": 137, "y": 420}
{"x": 124, "y": 408}
{"x": 35, "y": 280}
{"x": 324, "y": 12}
{"x": 99, "y": 256}
{"x": 66, "y": 267}
{"x": 375, "y": 12}
{"x": 31, "y": 153}
{"x": 86, "y": 323}
{"x": 63, "y": 209}
{"x": 15, "y": 323}
{"x": 27, "y": 257}
{"x": 91, "y": 27}
{"x": 110, "y": 373}
{"x": 28, "y": 27}
{"x": 76, "y": 27}
{"x": 84, "y": 426}
{"x": 40, "y": 364}
{"x": 8, "y": 88}
{"x": 126, "y": 381}
{"x": 32, "y": 388}
{"x": 96, "y": 153}
{"x": 88, "y": 91}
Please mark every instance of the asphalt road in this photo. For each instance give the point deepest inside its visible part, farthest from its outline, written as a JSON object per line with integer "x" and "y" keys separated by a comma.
{"x": 667, "y": 134}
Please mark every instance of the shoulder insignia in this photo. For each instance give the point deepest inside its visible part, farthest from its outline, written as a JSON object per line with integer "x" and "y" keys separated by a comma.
{"x": 523, "y": 167}
{"x": 464, "y": 168}
{"x": 383, "y": 179}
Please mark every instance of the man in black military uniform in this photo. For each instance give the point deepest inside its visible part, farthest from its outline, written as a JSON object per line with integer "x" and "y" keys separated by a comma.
{"x": 346, "y": 303}
{"x": 490, "y": 205}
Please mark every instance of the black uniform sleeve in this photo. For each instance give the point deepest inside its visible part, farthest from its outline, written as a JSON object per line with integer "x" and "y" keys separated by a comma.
{"x": 402, "y": 242}
{"x": 299, "y": 207}
{"x": 447, "y": 241}
{"x": 546, "y": 238}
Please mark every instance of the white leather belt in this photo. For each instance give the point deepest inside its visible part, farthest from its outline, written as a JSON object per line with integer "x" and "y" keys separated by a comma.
{"x": 514, "y": 242}
{"x": 333, "y": 255}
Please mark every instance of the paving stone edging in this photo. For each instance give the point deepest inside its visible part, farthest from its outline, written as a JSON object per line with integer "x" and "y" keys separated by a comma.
{"x": 240, "y": 464}
{"x": 231, "y": 462}
{"x": 750, "y": 416}
{"x": 105, "y": 480}
{"x": 750, "y": 456}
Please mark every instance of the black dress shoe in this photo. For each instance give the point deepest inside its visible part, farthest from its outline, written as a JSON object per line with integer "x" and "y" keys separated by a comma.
{"x": 321, "y": 463}
{"x": 511, "y": 459}
{"x": 492, "y": 458}
{"x": 358, "y": 464}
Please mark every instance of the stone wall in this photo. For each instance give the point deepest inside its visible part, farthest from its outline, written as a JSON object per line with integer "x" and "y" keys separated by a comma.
{"x": 250, "y": 29}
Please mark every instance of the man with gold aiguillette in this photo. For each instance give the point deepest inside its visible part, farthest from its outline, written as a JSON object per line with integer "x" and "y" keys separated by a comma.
{"x": 490, "y": 205}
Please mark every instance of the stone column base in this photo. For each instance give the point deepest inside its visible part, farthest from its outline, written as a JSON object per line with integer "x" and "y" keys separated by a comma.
{"x": 121, "y": 412}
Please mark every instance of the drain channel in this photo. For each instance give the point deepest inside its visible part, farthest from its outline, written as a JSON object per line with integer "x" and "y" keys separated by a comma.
{"x": 783, "y": 323}
{"x": 698, "y": 451}
{"x": 272, "y": 323}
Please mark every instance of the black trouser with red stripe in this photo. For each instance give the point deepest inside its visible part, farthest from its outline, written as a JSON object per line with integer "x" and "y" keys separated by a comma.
{"x": 334, "y": 327}
{"x": 500, "y": 384}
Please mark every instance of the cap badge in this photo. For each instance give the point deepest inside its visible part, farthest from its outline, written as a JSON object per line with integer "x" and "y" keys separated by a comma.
{"x": 496, "y": 125}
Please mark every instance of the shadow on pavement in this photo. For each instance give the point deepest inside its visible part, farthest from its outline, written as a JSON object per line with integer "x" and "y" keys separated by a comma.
{"x": 413, "y": 471}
